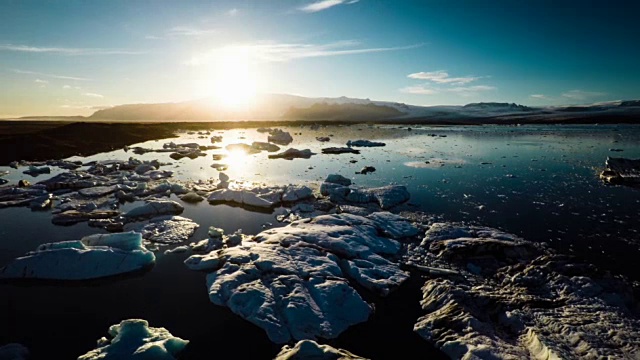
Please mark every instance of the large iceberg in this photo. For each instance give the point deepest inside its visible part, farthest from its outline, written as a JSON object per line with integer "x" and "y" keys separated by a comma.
{"x": 508, "y": 298}
{"x": 134, "y": 339}
{"x": 294, "y": 281}
{"x": 92, "y": 257}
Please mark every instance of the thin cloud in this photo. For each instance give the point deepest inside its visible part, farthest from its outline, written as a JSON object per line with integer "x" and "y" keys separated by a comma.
{"x": 233, "y": 12}
{"x": 53, "y": 76}
{"x": 189, "y": 31}
{"x": 66, "y": 86}
{"x": 420, "y": 90}
{"x": 469, "y": 89}
{"x": 93, "y": 95}
{"x": 442, "y": 77}
{"x": 66, "y": 51}
{"x": 183, "y": 31}
{"x": 581, "y": 95}
{"x": 40, "y": 81}
{"x": 283, "y": 52}
{"x": 325, "y": 4}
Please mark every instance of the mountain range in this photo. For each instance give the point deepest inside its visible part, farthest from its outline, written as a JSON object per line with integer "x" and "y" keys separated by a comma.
{"x": 279, "y": 107}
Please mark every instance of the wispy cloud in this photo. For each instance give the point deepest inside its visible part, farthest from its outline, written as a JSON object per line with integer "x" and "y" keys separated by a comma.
{"x": 419, "y": 89}
{"x": 539, "y": 97}
{"x": 183, "y": 31}
{"x": 442, "y": 77}
{"x": 325, "y": 4}
{"x": 470, "y": 89}
{"x": 282, "y": 52}
{"x": 93, "y": 95}
{"x": 580, "y": 95}
{"x": 53, "y": 76}
{"x": 66, "y": 51}
{"x": 233, "y": 12}
{"x": 40, "y": 81}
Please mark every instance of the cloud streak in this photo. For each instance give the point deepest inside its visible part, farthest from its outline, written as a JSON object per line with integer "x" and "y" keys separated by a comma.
{"x": 283, "y": 52}
{"x": 442, "y": 77}
{"x": 66, "y": 51}
{"x": 324, "y": 5}
{"x": 53, "y": 76}
{"x": 93, "y": 95}
{"x": 581, "y": 95}
{"x": 461, "y": 90}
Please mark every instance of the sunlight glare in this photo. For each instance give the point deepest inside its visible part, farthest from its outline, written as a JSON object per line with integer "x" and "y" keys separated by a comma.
{"x": 234, "y": 80}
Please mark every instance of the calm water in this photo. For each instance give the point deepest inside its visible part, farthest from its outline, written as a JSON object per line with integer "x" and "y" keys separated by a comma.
{"x": 540, "y": 182}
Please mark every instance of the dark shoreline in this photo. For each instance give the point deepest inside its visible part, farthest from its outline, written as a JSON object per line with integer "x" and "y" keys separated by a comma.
{"x": 38, "y": 140}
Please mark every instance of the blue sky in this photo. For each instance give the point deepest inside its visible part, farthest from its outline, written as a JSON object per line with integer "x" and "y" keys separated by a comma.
{"x": 72, "y": 57}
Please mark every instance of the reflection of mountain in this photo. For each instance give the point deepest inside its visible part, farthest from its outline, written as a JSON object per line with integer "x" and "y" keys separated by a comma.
{"x": 290, "y": 107}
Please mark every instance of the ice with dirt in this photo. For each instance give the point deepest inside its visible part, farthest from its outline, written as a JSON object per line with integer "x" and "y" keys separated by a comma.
{"x": 508, "y": 298}
{"x": 135, "y": 339}
{"x": 92, "y": 257}
{"x": 294, "y": 281}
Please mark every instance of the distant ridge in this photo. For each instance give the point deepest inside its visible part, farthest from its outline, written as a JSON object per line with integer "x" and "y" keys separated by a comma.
{"x": 284, "y": 107}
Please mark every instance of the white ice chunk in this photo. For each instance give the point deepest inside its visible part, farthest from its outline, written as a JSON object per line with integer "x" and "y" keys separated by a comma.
{"x": 134, "y": 339}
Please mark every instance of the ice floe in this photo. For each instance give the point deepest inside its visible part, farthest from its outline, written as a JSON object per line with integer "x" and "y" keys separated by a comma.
{"x": 520, "y": 300}
{"x": 168, "y": 229}
{"x": 386, "y": 196}
{"x": 309, "y": 349}
{"x": 154, "y": 208}
{"x": 262, "y": 197}
{"x": 292, "y": 153}
{"x": 340, "y": 150}
{"x": 279, "y": 137}
{"x": 364, "y": 143}
{"x": 293, "y": 281}
{"x": 135, "y": 339}
{"x": 92, "y": 257}
{"x": 622, "y": 171}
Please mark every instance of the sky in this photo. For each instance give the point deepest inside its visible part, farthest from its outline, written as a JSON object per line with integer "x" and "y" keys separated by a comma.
{"x": 74, "y": 57}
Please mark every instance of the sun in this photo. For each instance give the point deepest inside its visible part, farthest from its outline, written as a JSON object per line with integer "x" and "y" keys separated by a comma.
{"x": 234, "y": 77}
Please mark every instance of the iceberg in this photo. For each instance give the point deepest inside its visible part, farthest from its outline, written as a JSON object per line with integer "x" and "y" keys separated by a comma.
{"x": 92, "y": 257}
{"x": 309, "y": 349}
{"x": 155, "y": 208}
{"x": 135, "y": 339}
{"x": 294, "y": 281}
{"x": 515, "y": 299}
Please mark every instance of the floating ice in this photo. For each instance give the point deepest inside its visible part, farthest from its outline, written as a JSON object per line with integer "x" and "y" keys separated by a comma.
{"x": 91, "y": 257}
{"x": 168, "y": 229}
{"x": 518, "y": 300}
{"x": 292, "y": 153}
{"x": 386, "y": 196}
{"x": 340, "y": 150}
{"x": 155, "y": 208}
{"x": 134, "y": 339}
{"x": 309, "y": 349}
{"x": 364, "y": 143}
{"x": 622, "y": 171}
{"x": 263, "y": 197}
{"x": 292, "y": 281}
{"x": 279, "y": 137}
